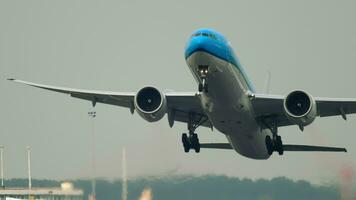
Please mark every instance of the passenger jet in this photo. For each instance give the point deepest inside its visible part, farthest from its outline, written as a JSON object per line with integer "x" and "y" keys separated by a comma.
{"x": 225, "y": 100}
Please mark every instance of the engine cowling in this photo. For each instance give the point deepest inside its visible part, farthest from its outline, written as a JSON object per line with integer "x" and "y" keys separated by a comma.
{"x": 150, "y": 104}
{"x": 300, "y": 107}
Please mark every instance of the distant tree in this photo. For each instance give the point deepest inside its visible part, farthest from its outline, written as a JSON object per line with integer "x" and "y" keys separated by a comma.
{"x": 202, "y": 187}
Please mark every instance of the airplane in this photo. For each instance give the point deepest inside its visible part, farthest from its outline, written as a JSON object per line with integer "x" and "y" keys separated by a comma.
{"x": 225, "y": 100}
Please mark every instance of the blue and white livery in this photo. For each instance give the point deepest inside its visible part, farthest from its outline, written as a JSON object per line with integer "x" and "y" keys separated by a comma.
{"x": 226, "y": 100}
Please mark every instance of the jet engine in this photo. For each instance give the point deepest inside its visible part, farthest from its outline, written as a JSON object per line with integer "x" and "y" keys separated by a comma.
{"x": 300, "y": 107}
{"x": 150, "y": 104}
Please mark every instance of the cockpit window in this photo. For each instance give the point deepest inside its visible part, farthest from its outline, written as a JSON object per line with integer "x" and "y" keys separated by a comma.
{"x": 210, "y": 35}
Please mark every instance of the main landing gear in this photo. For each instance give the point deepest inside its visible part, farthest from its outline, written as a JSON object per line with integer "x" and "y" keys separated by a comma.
{"x": 275, "y": 143}
{"x": 203, "y": 72}
{"x": 191, "y": 140}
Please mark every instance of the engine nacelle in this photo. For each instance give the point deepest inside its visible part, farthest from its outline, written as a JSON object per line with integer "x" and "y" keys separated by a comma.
{"x": 150, "y": 104}
{"x": 300, "y": 107}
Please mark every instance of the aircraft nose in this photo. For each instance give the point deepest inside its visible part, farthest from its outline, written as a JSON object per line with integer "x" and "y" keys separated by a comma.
{"x": 197, "y": 44}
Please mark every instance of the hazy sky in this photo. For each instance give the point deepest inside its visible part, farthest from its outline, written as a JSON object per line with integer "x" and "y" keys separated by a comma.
{"x": 125, "y": 45}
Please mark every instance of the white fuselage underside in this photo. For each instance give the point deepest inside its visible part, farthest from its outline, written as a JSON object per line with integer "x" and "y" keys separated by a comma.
{"x": 228, "y": 106}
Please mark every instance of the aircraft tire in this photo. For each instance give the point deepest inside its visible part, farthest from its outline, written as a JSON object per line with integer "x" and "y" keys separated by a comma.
{"x": 269, "y": 145}
{"x": 185, "y": 142}
{"x": 206, "y": 88}
{"x": 195, "y": 143}
{"x": 200, "y": 87}
{"x": 279, "y": 145}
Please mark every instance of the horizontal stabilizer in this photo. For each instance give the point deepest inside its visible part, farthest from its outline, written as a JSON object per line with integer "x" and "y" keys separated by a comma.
{"x": 290, "y": 147}
{"x": 216, "y": 146}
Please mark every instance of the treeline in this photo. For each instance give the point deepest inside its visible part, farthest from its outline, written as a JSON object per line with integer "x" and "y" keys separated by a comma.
{"x": 196, "y": 188}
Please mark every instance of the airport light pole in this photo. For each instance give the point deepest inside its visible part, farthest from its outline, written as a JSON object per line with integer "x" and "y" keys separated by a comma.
{"x": 92, "y": 115}
{"x": 124, "y": 176}
{"x": 2, "y": 165}
{"x": 29, "y": 167}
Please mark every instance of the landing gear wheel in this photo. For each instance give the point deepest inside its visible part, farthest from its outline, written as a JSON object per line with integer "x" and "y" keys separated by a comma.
{"x": 191, "y": 140}
{"x": 195, "y": 143}
{"x": 197, "y": 149}
{"x": 269, "y": 145}
{"x": 200, "y": 88}
{"x": 206, "y": 88}
{"x": 186, "y": 143}
{"x": 279, "y": 145}
{"x": 203, "y": 86}
{"x": 274, "y": 145}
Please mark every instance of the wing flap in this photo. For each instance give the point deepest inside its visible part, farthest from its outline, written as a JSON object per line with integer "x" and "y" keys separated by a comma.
{"x": 106, "y": 99}
{"x": 186, "y": 105}
{"x": 268, "y": 108}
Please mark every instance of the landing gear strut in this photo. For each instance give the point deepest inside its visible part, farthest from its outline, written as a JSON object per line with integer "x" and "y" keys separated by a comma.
{"x": 275, "y": 143}
{"x": 203, "y": 72}
{"x": 191, "y": 140}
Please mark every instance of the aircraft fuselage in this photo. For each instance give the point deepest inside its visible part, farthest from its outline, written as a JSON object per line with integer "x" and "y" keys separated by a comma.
{"x": 227, "y": 102}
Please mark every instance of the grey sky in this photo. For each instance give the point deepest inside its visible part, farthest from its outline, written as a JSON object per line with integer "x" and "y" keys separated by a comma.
{"x": 124, "y": 45}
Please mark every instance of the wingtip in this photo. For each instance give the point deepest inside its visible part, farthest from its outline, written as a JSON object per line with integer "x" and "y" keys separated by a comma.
{"x": 345, "y": 150}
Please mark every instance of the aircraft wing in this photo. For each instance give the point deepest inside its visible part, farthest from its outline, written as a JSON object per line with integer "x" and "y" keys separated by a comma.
{"x": 181, "y": 104}
{"x": 113, "y": 98}
{"x": 268, "y": 107}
